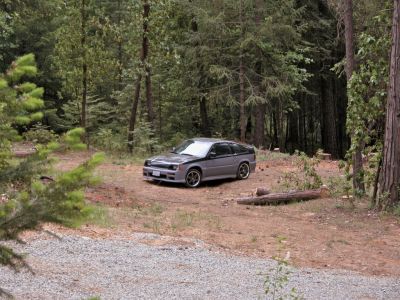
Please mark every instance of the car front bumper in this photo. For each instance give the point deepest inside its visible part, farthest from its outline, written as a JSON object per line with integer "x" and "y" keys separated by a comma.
{"x": 167, "y": 175}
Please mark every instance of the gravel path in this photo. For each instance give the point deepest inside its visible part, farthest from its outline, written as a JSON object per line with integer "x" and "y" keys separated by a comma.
{"x": 80, "y": 267}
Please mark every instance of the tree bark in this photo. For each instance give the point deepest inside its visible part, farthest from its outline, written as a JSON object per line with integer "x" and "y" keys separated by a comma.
{"x": 390, "y": 176}
{"x": 204, "y": 123}
{"x": 84, "y": 71}
{"x": 132, "y": 119}
{"x": 358, "y": 173}
{"x": 242, "y": 113}
{"x": 283, "y": 197}
{"x": 205, "y": 126}
{"x": 262, "y": 191}
{"x": 149, "y": 92}
{"x": 143, "y": 61}
{"x": 260, "y": 109}
{"x": 119, "y": 47}
{"x": 328, "y": 117}
{"x": 259, "y": 126}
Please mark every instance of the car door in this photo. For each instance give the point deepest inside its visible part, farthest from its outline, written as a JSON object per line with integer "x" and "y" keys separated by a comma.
{"x": 220, "y": 160}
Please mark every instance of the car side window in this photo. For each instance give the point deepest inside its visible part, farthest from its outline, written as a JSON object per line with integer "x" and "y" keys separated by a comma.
{"x": 239, "y": 149}
{"x": 222, "y": 149}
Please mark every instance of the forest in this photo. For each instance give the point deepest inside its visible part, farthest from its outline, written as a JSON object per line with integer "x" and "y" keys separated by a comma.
{"x": 140, "y": 76}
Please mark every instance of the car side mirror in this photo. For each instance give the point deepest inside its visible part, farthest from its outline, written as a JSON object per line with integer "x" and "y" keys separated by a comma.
{"x": 173, "y": 149}
{"x": 212, "y": 154}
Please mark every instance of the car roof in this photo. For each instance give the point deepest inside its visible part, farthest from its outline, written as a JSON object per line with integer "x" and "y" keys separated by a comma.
{"x": 211, "y": 140}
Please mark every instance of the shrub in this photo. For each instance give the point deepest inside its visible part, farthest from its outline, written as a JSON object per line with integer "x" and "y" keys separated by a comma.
{"x": 40, "y": 134}
{"x": 306, "y": 176}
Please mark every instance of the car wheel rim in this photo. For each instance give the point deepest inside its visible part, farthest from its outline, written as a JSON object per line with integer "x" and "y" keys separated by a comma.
{"x": 244, "y": 171}
{"x": 193, "y": 178}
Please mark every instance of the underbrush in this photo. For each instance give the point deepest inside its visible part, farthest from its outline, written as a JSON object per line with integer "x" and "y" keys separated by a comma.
{"x": 264, "y": 155}
{"x": 305, "y": 177}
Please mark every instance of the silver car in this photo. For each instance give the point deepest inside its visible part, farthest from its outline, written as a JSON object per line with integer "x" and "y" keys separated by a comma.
{"x": 202, "y": 159}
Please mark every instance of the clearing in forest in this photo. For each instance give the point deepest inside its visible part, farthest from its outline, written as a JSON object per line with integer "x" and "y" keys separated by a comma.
{"x": 322, "y": 233}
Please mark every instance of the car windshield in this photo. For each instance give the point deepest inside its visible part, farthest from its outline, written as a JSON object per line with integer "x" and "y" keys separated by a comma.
{"x": 193, "y": 148}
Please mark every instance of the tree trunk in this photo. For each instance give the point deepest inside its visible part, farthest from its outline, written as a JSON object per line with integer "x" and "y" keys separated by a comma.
{"x": 205, "y": 126}
{"x": 143, "y": 58}
{"x": 260, "y": 109}
{"x": 358, "y": 173}
{"x": 204, "y": 123}
{"x": 390, "y": 175}
{"x": 328, "y": 117}
{"x": 149, "y": 98}
{"x": 149, "y": 92}
{"x": 84, "y": 71}
{"x": 119, "y": 47}
{"x": 242, "y": 112}
{"x": 132, "y": 119}
{"x": 259, "y": 126}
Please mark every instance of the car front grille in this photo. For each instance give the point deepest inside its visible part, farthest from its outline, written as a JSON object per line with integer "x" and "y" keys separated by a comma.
{"x": 159, "y": 165}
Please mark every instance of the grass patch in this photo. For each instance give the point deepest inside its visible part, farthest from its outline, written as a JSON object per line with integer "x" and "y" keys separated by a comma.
{"x": 183, "y": 219}
{"x": 155, "y": 209}
{"x": 264, "y": 155}
{"x": 99, "y": 216}
{"x": 155, "y": 226}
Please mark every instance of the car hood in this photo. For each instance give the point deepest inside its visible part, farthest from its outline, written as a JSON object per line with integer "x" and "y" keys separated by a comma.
{"x": 172, "y": 158}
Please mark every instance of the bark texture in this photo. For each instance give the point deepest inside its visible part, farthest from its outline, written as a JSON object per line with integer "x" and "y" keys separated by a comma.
{"x": 389, "y": 179}
{"x": 143, "y": 59}
{"x": 84, "y": 71}
{"x": 242, "y": 112}
{"x": 149, "y": 91}
{"x": 358, "y": 177}
{"x": 260, "y": 109}
{"x": 283, "y": 197}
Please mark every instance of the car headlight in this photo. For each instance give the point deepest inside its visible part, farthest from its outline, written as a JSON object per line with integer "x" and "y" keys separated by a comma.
{"x": 174, "y": 167}
{"x": 147, "y": 163}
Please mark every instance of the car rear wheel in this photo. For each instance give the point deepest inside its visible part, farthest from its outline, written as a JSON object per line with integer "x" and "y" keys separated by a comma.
{"x": 243, "y": 171}
{"x": 193, "y": 178}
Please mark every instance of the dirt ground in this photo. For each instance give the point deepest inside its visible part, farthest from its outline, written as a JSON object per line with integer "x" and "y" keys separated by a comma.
{"x": 323, "y": 233}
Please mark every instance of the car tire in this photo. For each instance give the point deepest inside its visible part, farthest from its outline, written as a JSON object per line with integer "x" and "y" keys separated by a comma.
{"x": 243, "y": 171}
{"x": 193, "y": 178}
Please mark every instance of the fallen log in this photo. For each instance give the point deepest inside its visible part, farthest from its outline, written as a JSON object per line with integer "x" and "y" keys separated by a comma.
{"x": 284, "y": 197}
{"x": 262, "y": 191}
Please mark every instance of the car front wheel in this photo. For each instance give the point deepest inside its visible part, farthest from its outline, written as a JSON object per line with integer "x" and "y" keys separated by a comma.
{"x": 243, "y": 171}
{"x": 193, "y": 178}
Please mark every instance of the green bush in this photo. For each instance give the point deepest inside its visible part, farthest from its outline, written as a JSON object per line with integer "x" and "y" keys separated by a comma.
{"x": 306, "y": 176}
{"x": 40, "y": 134}
{"x": 109, "y": 140}
{"x": 26, "y": 201}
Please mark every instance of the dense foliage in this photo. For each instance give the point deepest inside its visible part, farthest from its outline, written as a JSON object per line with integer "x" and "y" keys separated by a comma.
{"x": 246, "y": 70}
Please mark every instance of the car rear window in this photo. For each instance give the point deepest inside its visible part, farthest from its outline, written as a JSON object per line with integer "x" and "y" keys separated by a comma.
{"x": 239, "y": 149}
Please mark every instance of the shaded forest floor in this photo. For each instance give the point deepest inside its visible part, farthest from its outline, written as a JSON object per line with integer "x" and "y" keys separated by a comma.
{"x": 323, "y": 233}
